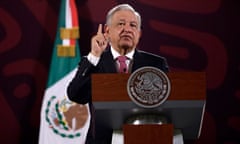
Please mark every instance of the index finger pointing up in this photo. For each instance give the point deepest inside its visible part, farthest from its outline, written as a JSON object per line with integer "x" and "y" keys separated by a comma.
{"x": 99, "y": 29}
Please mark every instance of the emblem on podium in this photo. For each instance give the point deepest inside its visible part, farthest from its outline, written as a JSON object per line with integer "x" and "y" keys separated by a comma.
{"x": 148, "y": 87}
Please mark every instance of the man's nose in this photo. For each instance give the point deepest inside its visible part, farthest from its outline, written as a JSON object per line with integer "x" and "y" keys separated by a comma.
{"x": 127, "y": 28}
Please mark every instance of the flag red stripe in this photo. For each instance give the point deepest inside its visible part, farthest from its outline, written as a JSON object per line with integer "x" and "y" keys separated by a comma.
{"x": 74, "y": 18}
{"x": 74, "y": 13}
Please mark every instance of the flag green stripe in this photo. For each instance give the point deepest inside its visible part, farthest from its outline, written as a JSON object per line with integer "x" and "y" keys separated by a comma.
{"x": 61, "y": 66}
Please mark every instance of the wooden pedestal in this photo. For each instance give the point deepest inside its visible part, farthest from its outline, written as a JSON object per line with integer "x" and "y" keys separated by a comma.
{"x": 148, "y": 134}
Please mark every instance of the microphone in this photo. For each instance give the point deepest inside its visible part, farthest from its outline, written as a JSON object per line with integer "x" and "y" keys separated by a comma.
{"x": 125, "y": 70}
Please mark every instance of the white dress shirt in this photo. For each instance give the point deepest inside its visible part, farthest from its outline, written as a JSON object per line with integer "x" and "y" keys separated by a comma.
{"x": 94, "y": 60}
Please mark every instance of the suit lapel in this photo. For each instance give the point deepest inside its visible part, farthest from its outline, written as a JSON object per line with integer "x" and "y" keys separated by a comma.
{"x": 138, "y": 61}
{"x": 109, "y": 65}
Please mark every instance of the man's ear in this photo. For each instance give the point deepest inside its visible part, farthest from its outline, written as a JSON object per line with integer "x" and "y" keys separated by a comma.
{"x": 106, "y": 29}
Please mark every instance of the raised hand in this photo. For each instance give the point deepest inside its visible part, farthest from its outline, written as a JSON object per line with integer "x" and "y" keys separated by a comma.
{"x": 98, "y": 42}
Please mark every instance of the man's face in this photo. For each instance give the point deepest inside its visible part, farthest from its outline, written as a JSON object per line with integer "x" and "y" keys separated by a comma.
{"x": 123, "y": 30}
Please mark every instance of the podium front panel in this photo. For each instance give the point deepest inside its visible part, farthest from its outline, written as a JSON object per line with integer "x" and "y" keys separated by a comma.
{"x": 184, "y": 108}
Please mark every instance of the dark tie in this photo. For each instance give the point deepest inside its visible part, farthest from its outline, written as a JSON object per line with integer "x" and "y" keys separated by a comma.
{"x": 122, "y": 64}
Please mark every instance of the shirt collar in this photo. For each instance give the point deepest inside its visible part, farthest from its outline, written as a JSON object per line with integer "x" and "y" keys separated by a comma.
{"x": 116, "y": 54}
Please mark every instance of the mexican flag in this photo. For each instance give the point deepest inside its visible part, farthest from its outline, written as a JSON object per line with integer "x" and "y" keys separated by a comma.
{"x": 63, "y": 121}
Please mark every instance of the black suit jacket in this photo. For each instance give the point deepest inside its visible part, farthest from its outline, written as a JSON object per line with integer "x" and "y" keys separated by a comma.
{"x": 79, "y": 89}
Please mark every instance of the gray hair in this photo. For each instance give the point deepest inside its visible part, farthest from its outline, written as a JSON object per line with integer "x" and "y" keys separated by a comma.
{"x": 119, "y": 8}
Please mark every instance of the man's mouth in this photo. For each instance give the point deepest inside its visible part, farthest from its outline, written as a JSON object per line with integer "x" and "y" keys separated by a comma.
{"x": 126, "y": 37}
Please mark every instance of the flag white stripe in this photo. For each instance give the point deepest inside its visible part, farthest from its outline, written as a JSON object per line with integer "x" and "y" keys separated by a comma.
{"x": 47, "y": 135}
{"x": 68, "y": 21}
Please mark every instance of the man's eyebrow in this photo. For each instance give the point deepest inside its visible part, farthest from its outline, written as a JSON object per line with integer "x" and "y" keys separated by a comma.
{"x": 122, "y": 20}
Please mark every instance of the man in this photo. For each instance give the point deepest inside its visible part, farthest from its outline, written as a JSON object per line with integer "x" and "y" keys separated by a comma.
{"x": 120, "y": 38}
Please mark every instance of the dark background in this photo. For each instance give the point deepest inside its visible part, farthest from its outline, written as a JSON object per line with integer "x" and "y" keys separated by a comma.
{"x": 197, "y": 35}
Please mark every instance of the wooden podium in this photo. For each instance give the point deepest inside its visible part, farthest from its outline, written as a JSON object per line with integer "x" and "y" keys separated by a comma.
{"x": 184, "y": 107}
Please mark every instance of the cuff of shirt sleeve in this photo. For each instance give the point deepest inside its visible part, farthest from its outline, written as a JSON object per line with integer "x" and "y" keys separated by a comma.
{"x": 93, "y": 59}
